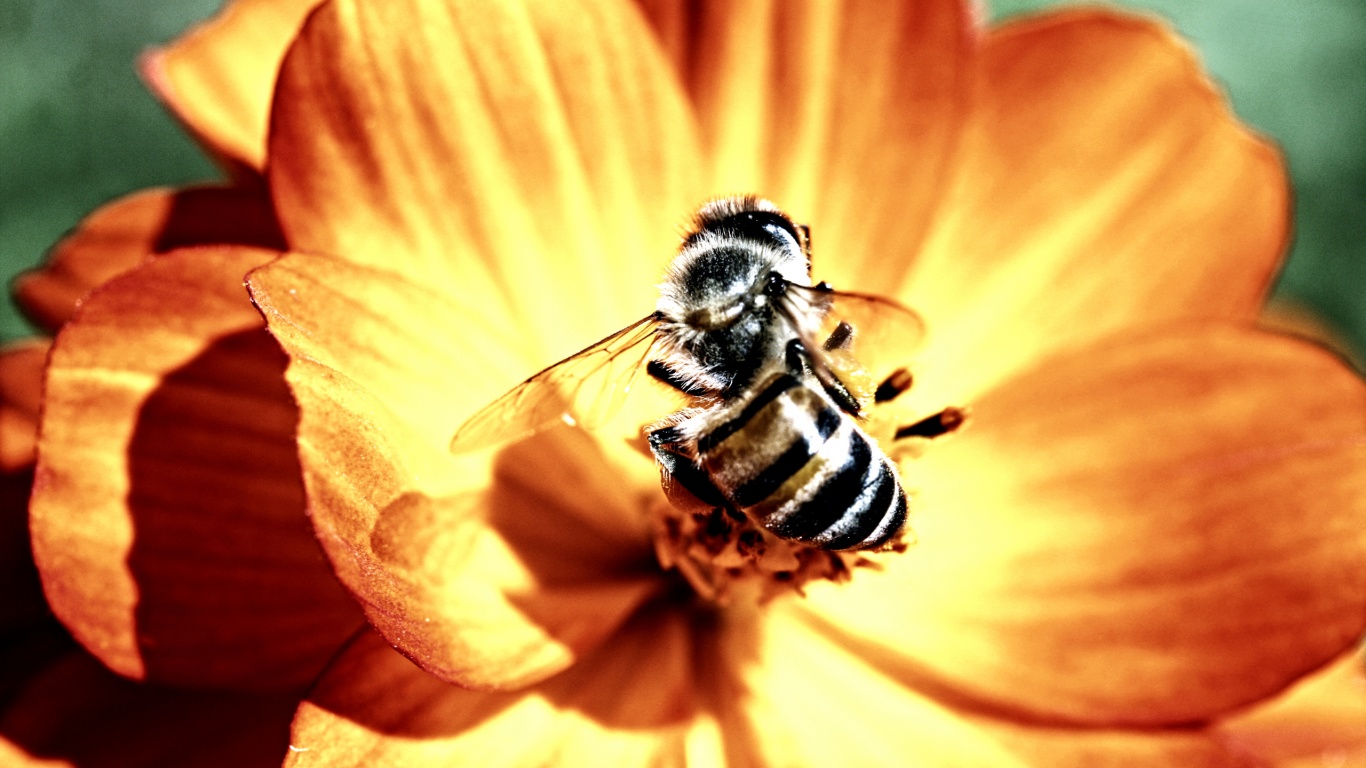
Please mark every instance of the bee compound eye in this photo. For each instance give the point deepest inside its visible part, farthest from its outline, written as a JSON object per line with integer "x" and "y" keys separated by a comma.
{"x": 775, "y": 285}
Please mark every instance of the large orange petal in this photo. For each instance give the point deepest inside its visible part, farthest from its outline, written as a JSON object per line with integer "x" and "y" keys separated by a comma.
{"x": 844, "y": 114}
{"x": 1319, "y": 722}
{"x": 535, "y": 157}
{"x": 630, "y": 704}
{"x": 491, "y": 571}
{"x": 168, "y": 510}
{"x": 219, "y": 78}
{"x": 75, "y": 713}
{"x": 1153, "y": 531}
{"x": 1101, "y": 184}
{"x": 122, "y": 234}
{"x": 790, "y": 694}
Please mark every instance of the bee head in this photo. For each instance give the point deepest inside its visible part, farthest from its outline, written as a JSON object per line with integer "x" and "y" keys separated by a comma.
{"x": 718, "y": 298}
{"x": 741, "y": 254}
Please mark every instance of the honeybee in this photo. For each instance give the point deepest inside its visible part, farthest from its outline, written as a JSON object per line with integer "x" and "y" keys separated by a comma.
{"x": 773, "y": 431}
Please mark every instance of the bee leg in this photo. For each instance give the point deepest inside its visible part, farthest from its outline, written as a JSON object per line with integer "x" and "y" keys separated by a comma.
{"x": 798, "y": 359}
{"x": 840, "y": 338}
{"x": 665, "y": 445}
{"x": 942, "y": 423}
{"x": 893, "y": 386}
{"x": 799, "y": 364}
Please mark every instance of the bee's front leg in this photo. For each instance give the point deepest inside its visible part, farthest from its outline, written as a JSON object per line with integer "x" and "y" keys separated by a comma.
{"x": 799, "y": 364}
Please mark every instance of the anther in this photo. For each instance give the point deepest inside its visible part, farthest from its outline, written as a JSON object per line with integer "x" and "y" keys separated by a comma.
{"x": 893, "y": 386}
{"x": 941, "y": 423}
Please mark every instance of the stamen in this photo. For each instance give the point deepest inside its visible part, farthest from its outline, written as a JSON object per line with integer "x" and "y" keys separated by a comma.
{"x": 941, "y": 423}
{"x": 720, "y": 555}
{"x": 893, "y": 386}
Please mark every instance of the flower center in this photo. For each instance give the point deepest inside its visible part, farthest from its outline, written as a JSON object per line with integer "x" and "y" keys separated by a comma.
{"x": 722, "y": 553}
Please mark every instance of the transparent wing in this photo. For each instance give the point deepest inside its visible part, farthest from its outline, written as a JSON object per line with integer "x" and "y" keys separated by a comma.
{"x": 881, "y": 334}
{"x": 886, "y": 334}
{"x": 586, "y": 388}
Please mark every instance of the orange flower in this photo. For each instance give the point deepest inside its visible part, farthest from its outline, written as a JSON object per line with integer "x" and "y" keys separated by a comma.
{"x": 1153, "y": 520}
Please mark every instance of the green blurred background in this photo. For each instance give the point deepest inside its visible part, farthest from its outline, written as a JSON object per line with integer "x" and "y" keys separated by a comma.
{"x": 77, "y": 128}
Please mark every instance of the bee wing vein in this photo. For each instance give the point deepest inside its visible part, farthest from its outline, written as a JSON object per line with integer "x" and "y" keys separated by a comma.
{"x": 588, "y": 387}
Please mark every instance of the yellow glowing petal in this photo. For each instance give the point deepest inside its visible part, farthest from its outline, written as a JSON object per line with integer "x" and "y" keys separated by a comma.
{"x": 1101, "y": 184}
{"x": 490, "y": 570}
{"x": 533, "y": 157}
{"x": 1152, "y": 531}
{"x": 630, "y": 704}
{"x": 787, "y": 695}
{"x": 219, "y": 78}
{"x": 168, "y": 514}
{"x": 1320, "y": 722}
{"x": 791, "y": 694}
{"x": 844, "y": 114}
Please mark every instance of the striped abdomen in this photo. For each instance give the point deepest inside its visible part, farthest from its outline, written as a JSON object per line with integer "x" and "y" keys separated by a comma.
{"x": 799, "y": 466}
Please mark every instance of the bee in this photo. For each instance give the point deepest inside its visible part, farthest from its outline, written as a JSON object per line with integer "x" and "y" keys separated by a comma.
{"x": 774, "y": 431}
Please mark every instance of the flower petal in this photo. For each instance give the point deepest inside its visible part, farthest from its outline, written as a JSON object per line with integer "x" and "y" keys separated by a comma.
{"x": 489, "y": 571}
{"x": 787, "y": 695}
{"x": 1154, "y": 530}
{"x": 1101, "y": 184}
{"x": 632, "y": 703}
{"x": 167, "y": 513}
{"x": 1319, "y": 722}
{"x": 77, "y": 713}
{"x": 533, "y": 156}
{"x": 122, "y": 234}
{"x": 21, "y": 388}
{"x": 845, "y": 114}
{"x": 219, "y": 77}
{"x": 792, "y": 693}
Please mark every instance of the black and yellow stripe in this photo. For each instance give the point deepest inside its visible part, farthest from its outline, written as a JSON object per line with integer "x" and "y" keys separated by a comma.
{"x": 801, "y": 468}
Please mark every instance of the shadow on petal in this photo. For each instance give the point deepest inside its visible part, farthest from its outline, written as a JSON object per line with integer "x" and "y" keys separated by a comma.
{"x": 632, "y": 702}
{"x": 77, "y": 713}
{"x": 223, "y": 557}
{"x": 502, "y": 586}
{"x": 21, "y": 600}
{"x": 568, "y": 512}
{"x": 167, "y": 516}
